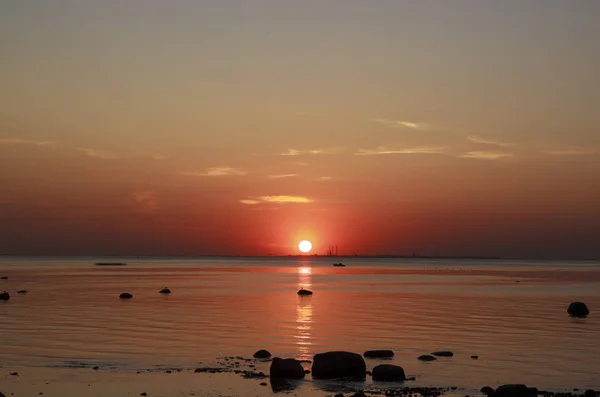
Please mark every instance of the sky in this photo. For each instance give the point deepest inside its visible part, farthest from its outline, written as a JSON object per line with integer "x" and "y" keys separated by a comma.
{"x": 460, "y": 127}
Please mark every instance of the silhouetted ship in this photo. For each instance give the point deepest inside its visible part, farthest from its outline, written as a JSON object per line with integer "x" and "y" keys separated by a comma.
{"x": 110, "y": 264}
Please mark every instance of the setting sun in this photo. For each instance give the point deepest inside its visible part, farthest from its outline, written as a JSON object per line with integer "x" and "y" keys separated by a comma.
{"x": 305, "y": 246}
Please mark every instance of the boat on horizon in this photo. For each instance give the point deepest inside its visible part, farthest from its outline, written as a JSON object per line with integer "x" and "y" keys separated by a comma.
{"x": 110, "y": 264}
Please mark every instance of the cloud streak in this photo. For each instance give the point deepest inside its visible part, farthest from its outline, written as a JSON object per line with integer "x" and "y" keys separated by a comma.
{"x": 571, "y": 152}
{"x": 146, "y": 201}
{"x": 297, "y": 152}
{"x": 218, "y": 171}
{"x": 17, "y": 141}
{"x": 400, "y": 124}
{"x": 280, "y": 176}
{"x": 108, "y": 155}
{"x": 485, "y": 155}
{"x": 383, "y": 150}
{"x": 486, "y": 141}
{"x": 286, "y": 199}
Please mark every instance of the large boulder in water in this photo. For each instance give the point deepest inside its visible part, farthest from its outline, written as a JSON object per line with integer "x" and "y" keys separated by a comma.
{"x": 304, "y": 292}
{"x": 338, "y": 364}
{"x": 578, "y": 309}
{"x": 262, "y": 354}
{"x": 378, "y": 354}
{"x": 388, "y": 373}
{"x": 515, "y": 391}
{"x": 4, "y": 296}
{"x": 426, "y": 357}
{"x": 287, "y": 368}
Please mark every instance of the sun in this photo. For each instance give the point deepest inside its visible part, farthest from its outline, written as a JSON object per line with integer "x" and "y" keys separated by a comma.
{"x": 305, "y": 246}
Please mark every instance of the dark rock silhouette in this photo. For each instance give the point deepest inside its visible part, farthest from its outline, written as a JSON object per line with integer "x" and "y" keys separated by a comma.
{"x": 487, "y": 390}
{"x": 339, "y": 264}
{"x": 426, "y": 357}
{"x": 279, "y": 385}
{"x": 2, "y": 394}
{"x": 378, "y": 354}
{"x": 287, "y": 368}
{"x": 303, "y": 291}
{"x": 22, "y": 291}
{"x": 388, "y": 373}
{"x": 4, "y": 278}
{"x": 338, "y": 364}
{"x": 578, "y": 309}
{"x": 165, "y": 291}
{"x": 474, "y": 357}
{"x": 4, "y": 296}
{"x": 262, "y": 354}
{"x": 443, "y": 354}
{"x": 125, "y": 295}
{"x": 110, "y": 264}
{"x": 515, "y": 391}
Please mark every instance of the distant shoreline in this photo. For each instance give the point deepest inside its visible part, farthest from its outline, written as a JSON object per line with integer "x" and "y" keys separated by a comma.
{"x": 315, "y": 256}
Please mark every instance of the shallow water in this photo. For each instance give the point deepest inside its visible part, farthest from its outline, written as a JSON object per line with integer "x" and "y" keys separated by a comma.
{"x": 512, "y": 314}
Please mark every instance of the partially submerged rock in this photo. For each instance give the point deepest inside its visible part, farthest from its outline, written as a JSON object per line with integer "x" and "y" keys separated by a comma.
{"x": 4, "y": 296}
{"x": 286, "y": 368}
{"x": 487, "y": 390}
{"x": 126, "y": 295}
{"x": 22, "y": 291}
{"x": 262, "y": 354}
{"x": 578, "y": 309}
{"x": 515, "y": 390}
{"x": 388, "y": 373}
{"x": 165, "y": 291}
{"x": 378, "y": 354}
{"x": 4, "y": 278}
{"x": 426, "y": 357}
{"x": 303, "y": 291}
{"x": 443, "y": 354}
{"x": 338, "y": 364}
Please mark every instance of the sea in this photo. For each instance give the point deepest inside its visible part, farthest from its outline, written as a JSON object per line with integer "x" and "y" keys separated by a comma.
{"x": 511, "y": 314}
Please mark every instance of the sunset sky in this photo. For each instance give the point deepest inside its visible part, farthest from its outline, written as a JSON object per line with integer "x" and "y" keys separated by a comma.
{"x": 151, "y": 127}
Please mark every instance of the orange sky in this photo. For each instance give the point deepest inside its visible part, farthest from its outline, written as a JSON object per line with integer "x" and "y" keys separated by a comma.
{"x": 211, "y": 128}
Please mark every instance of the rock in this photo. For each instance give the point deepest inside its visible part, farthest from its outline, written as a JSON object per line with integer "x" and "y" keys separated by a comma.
{"x": 303, "y": 291}
{"x": 515, "y": 391}
{"x": 4, "y": 296}
{"x": 96, "y": 368}
{"x": 143, "y": 394}
{"x": 426, "y": 357}
{"x": 263, "y": 383}
{"x": 4, "y": 278}
{"x": 378, "y": 354}
{"x": 262, "y": 354}
{"x": 487, "y": 390}
{"x": 165, "y": 291}
{"x": 2, "y": 394}
{"x": 359, "y": 394}
{"x": 388, "y": 373}
{"x": 578, "y": 309}
{"x": 22, "y": 291}
{"x": 14, "y": 374}
{"x": 339, "y": 395}
{"x": 338, "y": 364}
{"x": 125, "y": 295}
{"x": 287, "y": 368}
{"x": 474, "y": 357}
{"x": 590, "y": 393}
{"x": 443, "y": 354}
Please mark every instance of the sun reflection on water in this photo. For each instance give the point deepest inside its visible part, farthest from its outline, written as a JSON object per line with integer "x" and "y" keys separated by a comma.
{"x": 304, "y": 315}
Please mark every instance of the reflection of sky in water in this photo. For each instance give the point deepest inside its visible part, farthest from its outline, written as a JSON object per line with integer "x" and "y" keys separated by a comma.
{"x": 304, "y": 315}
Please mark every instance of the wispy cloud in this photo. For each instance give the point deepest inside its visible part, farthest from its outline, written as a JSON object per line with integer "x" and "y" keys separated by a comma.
{"x": 486, "y": 141}
{"x": 381, "y": 150}
{"x": 297, "y": 152}
{"x": 401, "y": 124}
{"x": 17, "y": 141}
{"x": 484, "y": 155}
{"x": 146, "y": 201}
{"x": 282, "y": 176}
{"x": 286, "y": 199}
{"x": 218, "y": 171}
{"x": 99, "y": 154}
{"x": 250, "y": 202}
{"x": 108, "y": 155}
{"x": 324, "y": 178}
{"x": 572, "y": 152}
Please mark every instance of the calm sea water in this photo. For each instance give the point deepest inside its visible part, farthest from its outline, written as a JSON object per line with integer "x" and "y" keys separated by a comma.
{"x": 512, "y": 314}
